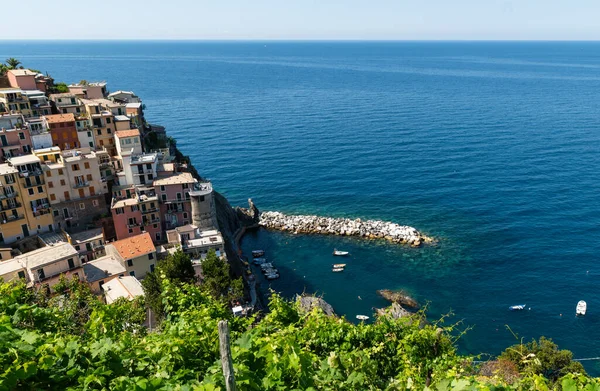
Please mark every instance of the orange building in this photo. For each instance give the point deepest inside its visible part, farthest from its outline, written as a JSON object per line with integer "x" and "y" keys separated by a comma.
{"x": 63, "y": 130}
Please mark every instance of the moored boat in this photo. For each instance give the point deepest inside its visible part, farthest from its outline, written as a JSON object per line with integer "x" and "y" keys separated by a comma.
{"x": 337, "y": 269}
{"x": 258, "y": 253}
{"x": 581, "y": 308}
{"x": 259, "y": 261}
{"x": 338, "y": 265}
{"x": 519, "y": 307}
{"x": 272, "y": 276}
{"x": 340, "y": 253}
{"x": 362, "y": 317}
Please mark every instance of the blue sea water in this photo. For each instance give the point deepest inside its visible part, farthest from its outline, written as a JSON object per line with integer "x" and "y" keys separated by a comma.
{"x": 491, "y": 147}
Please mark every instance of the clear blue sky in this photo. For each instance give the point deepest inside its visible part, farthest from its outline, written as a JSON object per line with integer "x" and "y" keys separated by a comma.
{"x": 304, "y": 19}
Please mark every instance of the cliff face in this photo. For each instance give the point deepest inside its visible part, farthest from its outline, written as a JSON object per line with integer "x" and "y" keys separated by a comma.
{"x": 233, "y": 220}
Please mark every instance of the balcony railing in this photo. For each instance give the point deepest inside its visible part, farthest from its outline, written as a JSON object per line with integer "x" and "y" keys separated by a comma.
{"x": 79, "y": 185}
{"x": 4, "y": 196}
{"x": 152, "y": 221}
{"x": 151, "y": 210}
{"x": 25, "y": 174}
{"x": 14, "y": 205}
{"x": 33, "y": 184}
{"x": 11, "y": 218}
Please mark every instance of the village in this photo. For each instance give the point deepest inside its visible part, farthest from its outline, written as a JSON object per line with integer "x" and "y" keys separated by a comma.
{"x": 89, "y": 189}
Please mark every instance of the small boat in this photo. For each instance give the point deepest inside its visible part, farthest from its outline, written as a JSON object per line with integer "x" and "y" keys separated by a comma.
{"x": 338, "y": 265}
{"x": 519, "y": 307}
{"x": 362, "y": 317}
{"x": 337, "y": 269}
{"x": 258, "y": 253}
{"x": 581, "y": 308}
{"x": 267, "y": 265}
{"x": 272, "y": 276}
{"x": 340, "y": 253}
{"x": 259, "y": 261}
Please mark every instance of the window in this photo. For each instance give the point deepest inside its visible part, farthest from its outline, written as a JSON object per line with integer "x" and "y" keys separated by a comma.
{"x": 132, "y": 273}
{"x": 162, "y": 187}
{"x": 55, "y": 212}
{"x": 151, "y": 268}
{"x": 60, "y": 171}
{"x": 201, "y": 198}
{"x": 130, "y": 262}
{"x": 92, "y": 192}
{"x": 75, "y": 167}
{"x": 86, "y": 165}
{"x": 40, "y": 189}
{"x": 95, "y": 202}
{"x": 149, "y": 166}
{"x": 81, "y": 193}
{"x": 150, "y": 177}
{"x": 67, "y": 196}
{"x": 187, "y": 196}
{"x": 22, "y": 135}
{"x": 134, "y": 208}
{"x": 89, "y": 134}
{"x": 30, "y": 191}
{"x": 99, "y": 132}
{"x": 81, "y": 206}
{"x": 48, "y": 174}
{"x": 151, "y": 256}
{"x": 62, "y": 182}
{"x": 157, "y": 235}
{"x": 50, "y": 184}
{"x": 119, "y": 211}
{"x": 185, "y": 215}
{"x": 178, "y": 196}
{"x": 77, "y": 248}
{"x": 22, "y": 274}
{"x": 41, "y": 274}
{"x": 108, "y": 120}
{"x": 71, "y": 263}
{"x": 88, "y": 177}
{"x": 52, "y": 197}
{"x": 163, "y": 197}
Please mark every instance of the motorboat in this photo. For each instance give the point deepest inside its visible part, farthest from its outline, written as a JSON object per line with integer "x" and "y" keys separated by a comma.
{"x": 362, "y": 317}
{"x": 266, "y": 265}
{"x": 338, "y": 265}
{"x": 259, "y": 261}
{"x": 258, "y": 253}
{"x": 272, "y": 276}
{"x": 340, "y": 253}
{"x": 337, "y": 269}
{"x": 518, "y": 307}
{"x": 581, "y": 308}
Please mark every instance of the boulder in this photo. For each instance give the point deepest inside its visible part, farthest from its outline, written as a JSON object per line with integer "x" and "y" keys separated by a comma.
{"x": 308, "y": 302}
{"x": 399, "y": 297}
{"x": 395, "y": 311}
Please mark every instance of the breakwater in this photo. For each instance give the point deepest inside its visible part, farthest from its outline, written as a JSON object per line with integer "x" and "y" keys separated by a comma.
{"x": 368, "y": 229}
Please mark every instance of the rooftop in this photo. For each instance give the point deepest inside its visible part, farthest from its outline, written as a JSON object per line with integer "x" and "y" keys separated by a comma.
{"x": 63, "y": 95}
{"x": 10, "y": 90}
{"x": 102, "y": 267}
{"x": 44, "y": 151}
{"x": 25, "y": 159}
{"x": 91, "y": 234}
{"x": 178, "y": 178}
{"x": 128, "y": 287}
{"x": 121, "y": 92}
{"x": 121, "y": 118}
{"x": 59, "y": 118}
{"x": 127, "y": 133}
{"x": 33, "y": 93}
{"x": 134, "y": 246}
{"x": 10, "y": 266}
{"x": 93, "y": 84}
{"x": 136, "y": 105}
{"x": 124, "y": 203}
{"x": 7, "y": 169}
{"x": 47, "y": 255}
{"x": 22, "y": 72}
{"x": 53, "y": 238}
{"x": 144, "y": 158}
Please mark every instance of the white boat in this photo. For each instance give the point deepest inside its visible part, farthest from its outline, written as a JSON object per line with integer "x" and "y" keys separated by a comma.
{"x": 362, "y": 317}
{"x": 267, "y": 265}
{"x": 258, "y": 253}
{"x": 259, "y": 261}
{"x": 272, "y": 276}
{"x": 338, "y": 265}
{"x": 337, "y": 269}
{"x": 340, "y": 253}
{"x": 519, "y": 307}
{"x": 581, "y": 308}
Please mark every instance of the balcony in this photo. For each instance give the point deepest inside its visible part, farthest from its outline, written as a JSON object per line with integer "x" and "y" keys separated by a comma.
{"x": 33, "y": 184}
{"x": 80, "y": 185}
{"x": 26, "y": 174}
{"x": 135, "y": 224}
{"x": 150, "y": 210}
{"x": 4, "y": 196}
{"x": 151, "y": 221}
{"x": 11, "y": 218}
{"x": 14, "y": 205}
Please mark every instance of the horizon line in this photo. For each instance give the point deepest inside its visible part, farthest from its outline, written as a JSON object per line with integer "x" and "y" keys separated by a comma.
{"x": 233, "y": 40}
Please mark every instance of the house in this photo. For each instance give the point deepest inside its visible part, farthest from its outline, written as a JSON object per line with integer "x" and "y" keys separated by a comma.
{"x": 75, "y": 185}
{"x": 124, "y": 97}
{"x": 128, "y": 142}
{"x": 137, "y": 252}
{"x": 13, "y": 100}
{"x": 15, "y": 138}
{"x": 95, "y": 90}
{"x": 67, "y": 102}
{"x": 12, "y": 214}
{"x": 196, "y": 242}
{"x": 22, "y": 78}
{"x": 174, "y": 196}
{"x": 39, "y": 103}
{"x": 40, "y": 136}
{"x": 63, "y": 130}
{"x": 138, "y": 169}
{"x": 33, "y": 194}
{"x": 13, "y": 270}
{"x": 102, "y": 270}
{"x": 89, "y": 244}
{"x": 122, "y": 287}
{"x": 102, "y": 123}
{"x": 47, "y": 264}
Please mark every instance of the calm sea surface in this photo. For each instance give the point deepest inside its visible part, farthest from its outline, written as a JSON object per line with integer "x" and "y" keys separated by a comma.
{"x": 491, "y": 147}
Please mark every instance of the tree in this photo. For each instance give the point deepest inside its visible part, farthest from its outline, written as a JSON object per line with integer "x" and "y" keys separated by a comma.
{"x": 215, "y": 274}
{"x": 3, "y": 69}
{"x": 177, "y": 268}
{"x": 12, "y": 63}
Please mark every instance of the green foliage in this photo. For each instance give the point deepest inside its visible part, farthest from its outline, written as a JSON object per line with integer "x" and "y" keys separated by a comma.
{"x": 217, "y": 280}
{"x": 542, "y": 358}
{"x": 177, "y": 268}
{"x": 12, "y": 63}
{"x": 59, "y": 88}
{"x": 286, "y": 350}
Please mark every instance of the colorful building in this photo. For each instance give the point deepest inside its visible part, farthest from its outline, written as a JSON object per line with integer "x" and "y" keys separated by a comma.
{"x": 22, "y": 78}
{"x": 14, "y": 101}
{"x": 63, "y": 130}
{"x": 15, "y": 139}
{"x": 137, "y": 252}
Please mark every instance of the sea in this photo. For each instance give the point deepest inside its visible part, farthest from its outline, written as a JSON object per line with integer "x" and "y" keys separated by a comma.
{"x": 490, "y": 147}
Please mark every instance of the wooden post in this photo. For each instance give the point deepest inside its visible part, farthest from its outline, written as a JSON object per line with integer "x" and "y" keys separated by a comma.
{"x": 226, "y": 360}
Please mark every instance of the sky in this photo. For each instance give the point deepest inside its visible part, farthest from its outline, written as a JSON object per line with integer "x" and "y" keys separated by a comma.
{"x": 303, "y": 19}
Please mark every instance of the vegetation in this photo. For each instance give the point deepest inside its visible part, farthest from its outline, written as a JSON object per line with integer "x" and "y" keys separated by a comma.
{"x": 217, "y": 280}
{"x": 59, "y": 88}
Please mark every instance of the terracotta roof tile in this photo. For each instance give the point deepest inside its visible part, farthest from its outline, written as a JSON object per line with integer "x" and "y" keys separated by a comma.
{"x": 128, "y": 133}
{"x": 58, "y": 118}
{"x": 134, "y": 246}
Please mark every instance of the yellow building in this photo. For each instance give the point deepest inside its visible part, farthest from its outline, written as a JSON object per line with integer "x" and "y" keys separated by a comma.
{"x": 103, "y": 125}
{"x": 12, "y": 212}
{"x": 33, "y": 194}
{"x": 13, "y": 100}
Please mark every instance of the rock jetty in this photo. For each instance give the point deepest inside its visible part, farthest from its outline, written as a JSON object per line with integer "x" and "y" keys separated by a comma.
{"x": 370, "y": 229}
{"x": 398, "y": 297}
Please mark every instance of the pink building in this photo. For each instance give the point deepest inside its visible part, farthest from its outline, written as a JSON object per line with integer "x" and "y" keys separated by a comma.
{"x": 15, "y": 139}
{"x": 173, "y": 194}
{"x": 22, "y": 78}
{"x": 135, "y": 210}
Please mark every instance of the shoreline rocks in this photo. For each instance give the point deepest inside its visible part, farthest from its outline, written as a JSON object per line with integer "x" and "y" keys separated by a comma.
{"x": 368, "y": 229}
{"x": 398, "y": 297}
